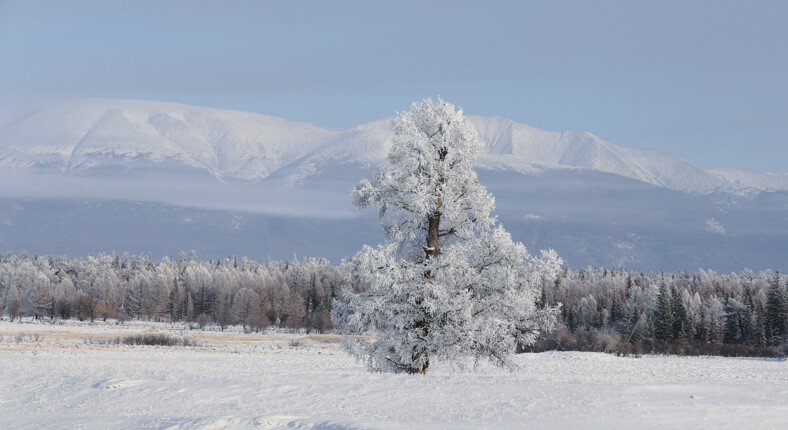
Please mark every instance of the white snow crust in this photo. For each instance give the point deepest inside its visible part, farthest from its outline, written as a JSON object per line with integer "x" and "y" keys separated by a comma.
{"x": 279, "y": 380}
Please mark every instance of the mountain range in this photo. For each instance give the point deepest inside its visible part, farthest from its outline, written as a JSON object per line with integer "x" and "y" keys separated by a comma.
{"x": 102, "y": 175}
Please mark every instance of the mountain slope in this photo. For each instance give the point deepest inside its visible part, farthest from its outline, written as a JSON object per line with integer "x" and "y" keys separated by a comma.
{"x": 74, "y": 136}
{"x": 89, "y": 176}
{"x": 753, "y": 180}
{"x": 83, "y": 137}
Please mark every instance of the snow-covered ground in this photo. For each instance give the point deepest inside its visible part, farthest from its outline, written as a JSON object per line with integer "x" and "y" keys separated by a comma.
{"x": 63, "y": 376}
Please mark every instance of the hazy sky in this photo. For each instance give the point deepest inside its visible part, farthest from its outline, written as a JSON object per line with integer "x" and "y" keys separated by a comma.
{"x": 706, "y": 80}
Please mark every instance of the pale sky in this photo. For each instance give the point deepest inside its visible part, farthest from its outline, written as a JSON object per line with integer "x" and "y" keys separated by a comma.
{"x": 705, "y": 80}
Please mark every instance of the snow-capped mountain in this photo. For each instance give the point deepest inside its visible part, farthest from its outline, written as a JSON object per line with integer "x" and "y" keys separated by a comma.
{"x": 77, "y": 136}
{"x": 87, "y": 176}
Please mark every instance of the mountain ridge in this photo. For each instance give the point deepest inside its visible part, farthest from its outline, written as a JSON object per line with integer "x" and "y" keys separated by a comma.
{"x": 97, "y": 175}
{"x": 75, "y": 136}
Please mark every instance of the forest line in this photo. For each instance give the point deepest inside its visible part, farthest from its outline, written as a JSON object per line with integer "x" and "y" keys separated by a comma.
{"x": 611, "y": 310}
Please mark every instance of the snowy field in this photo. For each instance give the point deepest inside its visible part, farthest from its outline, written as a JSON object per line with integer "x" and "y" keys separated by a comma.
{"x": 63, "y": 376}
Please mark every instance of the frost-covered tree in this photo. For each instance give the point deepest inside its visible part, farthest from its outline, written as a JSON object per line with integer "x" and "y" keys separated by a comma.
{"x": 715, "y": 319}
{"x": 737, "y": 322}
{"x": 588, "y": 311}
{"x": 450, "y": 283}
{"x": 246, "y": 307}
{"x": 42, "y": 298}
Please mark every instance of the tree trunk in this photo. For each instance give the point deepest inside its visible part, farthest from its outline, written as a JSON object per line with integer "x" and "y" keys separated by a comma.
{"x": 434, "y": 220}
{"x": 422, "y": 370}
{"x": 432, "y": 241}
{"x": 431, "y": 251}
{"x": 432, "y": 235}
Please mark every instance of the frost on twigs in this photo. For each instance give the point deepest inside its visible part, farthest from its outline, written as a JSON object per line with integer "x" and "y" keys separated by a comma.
{"x": 450, "y": 283}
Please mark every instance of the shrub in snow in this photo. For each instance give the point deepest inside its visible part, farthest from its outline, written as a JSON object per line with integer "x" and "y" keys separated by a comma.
{"x": 156, "y": 339}
{"x": 450, "y": 283}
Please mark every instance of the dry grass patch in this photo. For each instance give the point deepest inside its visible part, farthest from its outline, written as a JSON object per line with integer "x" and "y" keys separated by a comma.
{"x": 144, "y": 339}
{"x": 325, "y": 338}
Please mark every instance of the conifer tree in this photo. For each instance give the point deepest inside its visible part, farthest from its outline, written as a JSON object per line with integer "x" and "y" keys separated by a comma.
{"x": 759, "y": 329}
{"x": 777, "y": 311}
{"x": 663, "y": 319}
{"x": 701, "y": 330}
{"x": 680, "y": 318}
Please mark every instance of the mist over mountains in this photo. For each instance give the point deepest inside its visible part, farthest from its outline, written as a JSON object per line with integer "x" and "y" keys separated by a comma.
{"x": 87, "y": 176}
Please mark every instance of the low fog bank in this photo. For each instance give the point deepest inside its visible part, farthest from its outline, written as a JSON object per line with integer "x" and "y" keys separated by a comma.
{"x": 190, "y": 191}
